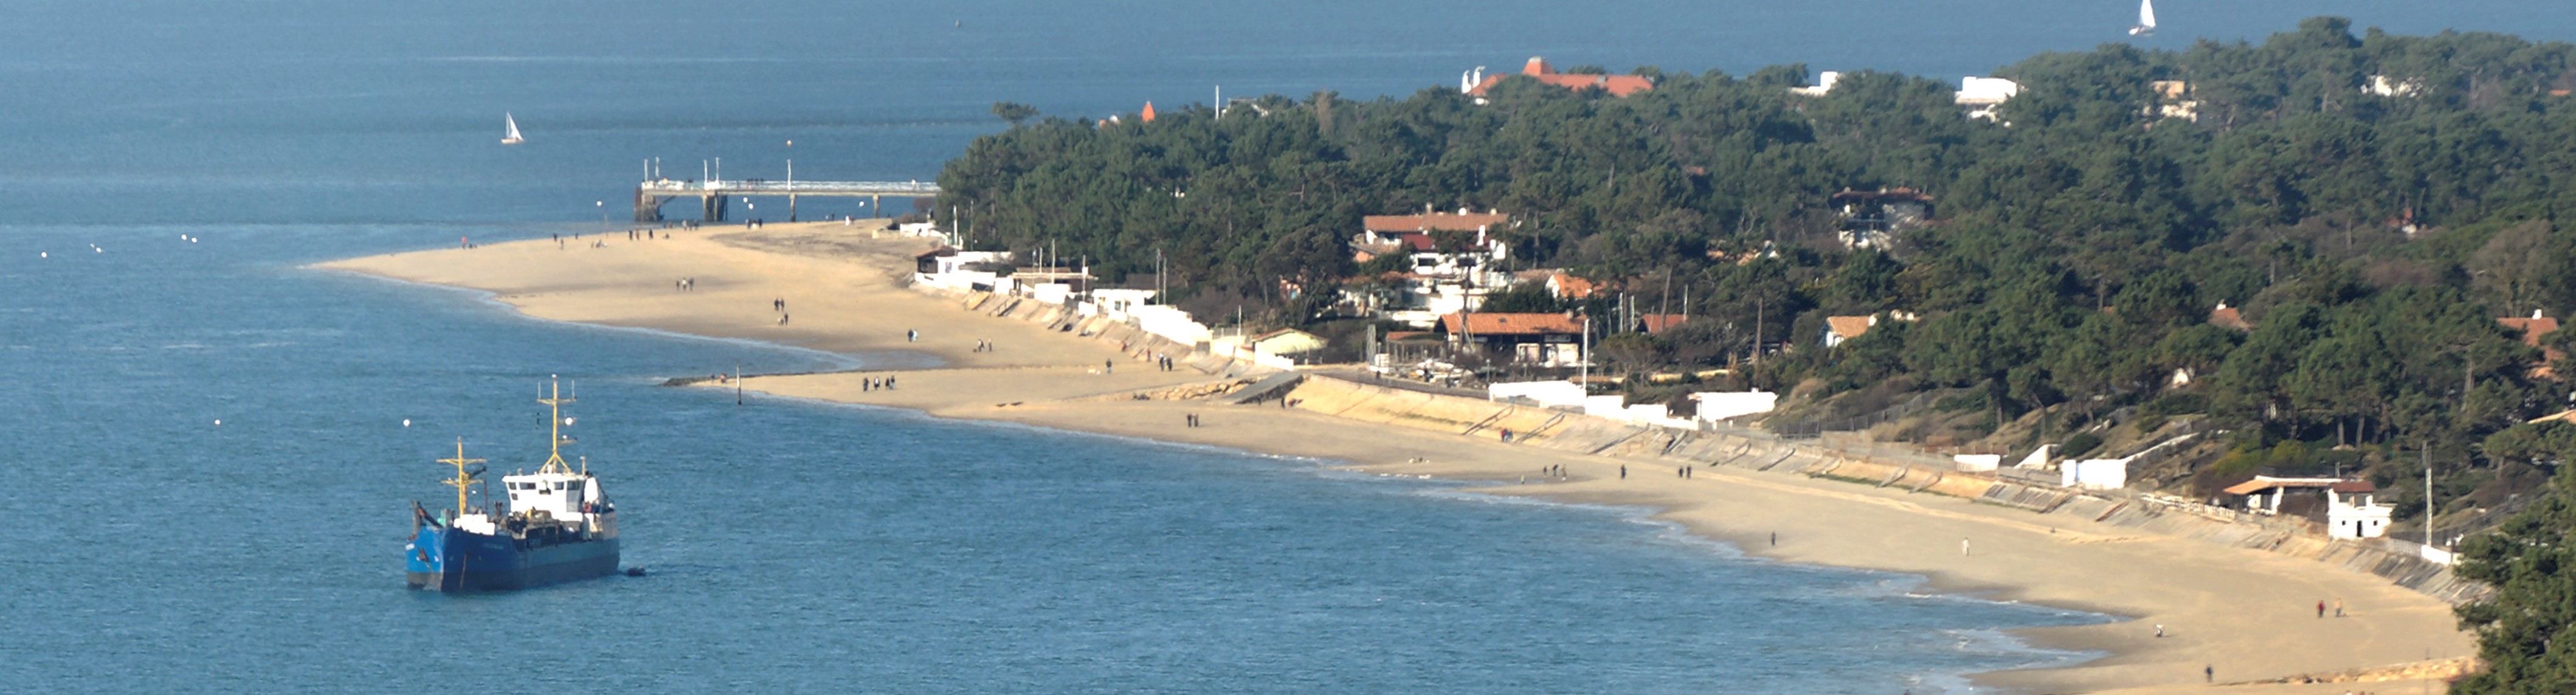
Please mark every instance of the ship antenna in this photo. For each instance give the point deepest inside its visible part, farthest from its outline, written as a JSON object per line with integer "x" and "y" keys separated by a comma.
{"x": 463, "y": 478}
{"x": 554, "y": 445}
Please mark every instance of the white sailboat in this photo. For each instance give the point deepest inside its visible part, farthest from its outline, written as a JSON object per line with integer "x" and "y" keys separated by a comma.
{"x": 510, "y": 130}
{"x": 2146, "y": 19}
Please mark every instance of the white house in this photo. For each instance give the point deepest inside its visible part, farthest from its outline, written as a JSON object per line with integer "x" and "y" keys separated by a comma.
{"x": 1982, "y": 94}
{"x": 1420, "y": 236}
{"x": 1824, "y": 85}
{"x": 2351, "y": 511}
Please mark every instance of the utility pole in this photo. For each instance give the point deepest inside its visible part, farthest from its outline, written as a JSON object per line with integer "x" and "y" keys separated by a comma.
{"x": 2428, "y": 494}
{"x": 1586, "y": 369}
{"x": 1757, "y": 326}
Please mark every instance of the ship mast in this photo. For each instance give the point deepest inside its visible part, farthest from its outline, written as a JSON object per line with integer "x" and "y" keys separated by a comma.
{"x": 555, "y": 421}
{"x": 463, "y": 478}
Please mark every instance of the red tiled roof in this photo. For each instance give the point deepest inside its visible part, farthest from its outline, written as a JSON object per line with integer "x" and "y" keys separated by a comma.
{"x": 1513, "y": 324}
{"x": 2227, "y": 317}
{"x": 2260, "y": 483}
{"x": 1437, "y": 221}
{"x": 1848, "y": 327}
{"x": 1656, "y": 323}
{"x": 1571, "y": 287}
{"x": 1538, "y": 69}
{"x": 2531, "y": 328}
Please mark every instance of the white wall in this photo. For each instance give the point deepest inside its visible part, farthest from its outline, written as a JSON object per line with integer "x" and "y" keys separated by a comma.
{"x": 2097, "y": 474}
{"x": 1979, "y": 462}
{"x": 1554, "y": 394}
{"x": 1720, "y": 405}
{"x": 1170, "y": 322}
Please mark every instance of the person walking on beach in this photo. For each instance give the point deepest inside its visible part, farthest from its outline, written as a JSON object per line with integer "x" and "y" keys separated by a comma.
{"x": 2338, "y": 606}
{"x": 1963, "y": 547}
{"x": 2321, "y": 610}
{"x": 1775, "y": 539}
{"x": 2209, "y": 674}
{"x": 1623, "y": 471}
{"x": 911, "y": 336}
{"x": 889, "y": 382}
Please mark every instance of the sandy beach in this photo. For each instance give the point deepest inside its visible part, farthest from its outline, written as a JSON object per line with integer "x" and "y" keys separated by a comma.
{"x": 2242, "y": 615}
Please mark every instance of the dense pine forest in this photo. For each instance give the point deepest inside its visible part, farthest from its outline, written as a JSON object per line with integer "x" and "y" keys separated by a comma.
{"x": 2370, "y": 205}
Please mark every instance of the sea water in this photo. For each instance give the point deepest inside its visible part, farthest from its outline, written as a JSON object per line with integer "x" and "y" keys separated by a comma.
{"x": 210, "y": 469}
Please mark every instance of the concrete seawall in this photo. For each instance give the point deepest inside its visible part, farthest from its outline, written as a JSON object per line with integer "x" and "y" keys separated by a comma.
{"x": 1574, "y": 432}
{"x": 1751, "y": 451}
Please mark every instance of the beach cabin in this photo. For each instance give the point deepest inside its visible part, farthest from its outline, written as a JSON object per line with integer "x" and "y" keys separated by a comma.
{"x": 2351, "y": 508}
{"x": 1542, "y": 340}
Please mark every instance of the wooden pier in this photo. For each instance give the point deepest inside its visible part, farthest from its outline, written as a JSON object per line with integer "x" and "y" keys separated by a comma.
{"x": 712, "y": 195}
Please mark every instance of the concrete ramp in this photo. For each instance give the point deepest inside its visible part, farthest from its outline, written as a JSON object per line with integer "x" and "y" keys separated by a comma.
{"x": 1270, "y": 387}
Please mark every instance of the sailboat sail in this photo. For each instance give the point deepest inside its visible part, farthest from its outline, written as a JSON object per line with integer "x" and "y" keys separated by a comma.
{"x": 2146, "y": 19}
{"x": 510, "y": 133}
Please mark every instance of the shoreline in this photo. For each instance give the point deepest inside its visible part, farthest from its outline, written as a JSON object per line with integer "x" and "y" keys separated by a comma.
{"x": 2239, "y": 610}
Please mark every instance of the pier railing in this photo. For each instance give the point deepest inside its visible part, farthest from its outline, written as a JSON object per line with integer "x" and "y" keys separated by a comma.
{"x": 713, "y": 194}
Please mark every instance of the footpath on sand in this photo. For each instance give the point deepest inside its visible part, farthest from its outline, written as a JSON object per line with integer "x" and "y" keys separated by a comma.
{"x": 2230, "y": 615}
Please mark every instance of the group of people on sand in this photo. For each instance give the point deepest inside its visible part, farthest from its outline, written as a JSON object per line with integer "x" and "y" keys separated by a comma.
{"x": 685, "y": 284}
{"x": 983, "y": 345}
{"x": 872, "y": 384}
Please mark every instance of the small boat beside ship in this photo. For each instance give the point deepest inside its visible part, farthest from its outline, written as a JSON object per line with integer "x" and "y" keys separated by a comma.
{"x": 557, "y": 525}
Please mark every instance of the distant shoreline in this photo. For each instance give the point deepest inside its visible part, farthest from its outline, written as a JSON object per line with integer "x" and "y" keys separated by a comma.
{"x": 2241, "y": 611}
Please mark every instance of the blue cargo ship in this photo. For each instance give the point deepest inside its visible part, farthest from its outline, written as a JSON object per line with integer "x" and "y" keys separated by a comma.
{"x": 556, "y": 525}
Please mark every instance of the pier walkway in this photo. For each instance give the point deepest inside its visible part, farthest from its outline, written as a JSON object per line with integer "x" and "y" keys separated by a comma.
{"x": 712, "y": 195}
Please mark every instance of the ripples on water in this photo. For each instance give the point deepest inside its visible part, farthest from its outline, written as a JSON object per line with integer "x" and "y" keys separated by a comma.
{"x": 794, "y": 546}
{"x": 799, "y": 547}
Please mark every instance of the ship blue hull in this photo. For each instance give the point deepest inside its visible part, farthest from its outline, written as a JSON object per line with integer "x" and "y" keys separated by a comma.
{"x": 446, "y": 559}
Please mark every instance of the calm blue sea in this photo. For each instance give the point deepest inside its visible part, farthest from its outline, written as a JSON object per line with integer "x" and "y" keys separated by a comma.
{"x": 800, "y": 547}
